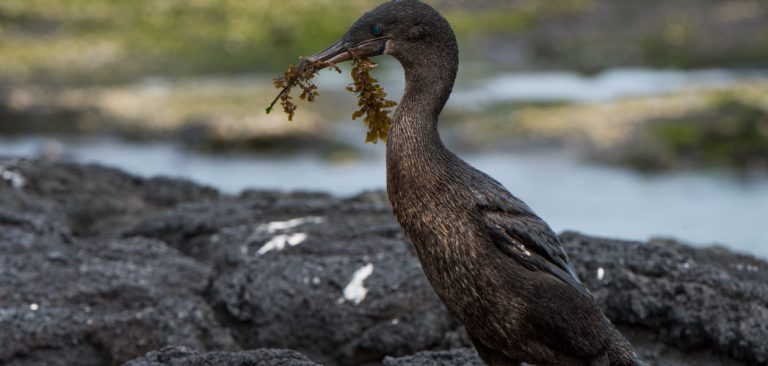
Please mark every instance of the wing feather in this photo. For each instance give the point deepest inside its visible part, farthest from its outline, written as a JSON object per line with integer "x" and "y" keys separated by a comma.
{"x": 517, "y": 232}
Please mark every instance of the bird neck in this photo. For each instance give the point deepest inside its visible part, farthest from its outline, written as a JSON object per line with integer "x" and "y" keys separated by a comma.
{"x": 414, "y": 148}
{"x": 429, "y": 79}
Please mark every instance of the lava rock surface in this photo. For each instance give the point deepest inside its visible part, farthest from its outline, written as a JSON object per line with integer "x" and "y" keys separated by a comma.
{"x": 98, "y": 267}
{"x": 177, "y": 356}
{"x": 454, "y": 357}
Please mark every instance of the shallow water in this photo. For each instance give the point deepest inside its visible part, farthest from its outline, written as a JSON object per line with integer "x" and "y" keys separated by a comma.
{"x": 606, "y": 86}
{"x": 702, "y": 209}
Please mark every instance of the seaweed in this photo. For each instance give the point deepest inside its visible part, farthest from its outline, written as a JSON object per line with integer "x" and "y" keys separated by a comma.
{"x": 300, "y": 76}
{"x": 371, "y": 98}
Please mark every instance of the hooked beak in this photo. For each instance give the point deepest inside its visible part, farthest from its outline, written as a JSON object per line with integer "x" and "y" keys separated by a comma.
{"x": 344, "y": 51}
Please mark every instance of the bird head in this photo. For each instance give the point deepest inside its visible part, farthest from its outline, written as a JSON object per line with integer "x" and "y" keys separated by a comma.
{"x": 404, "y": 29}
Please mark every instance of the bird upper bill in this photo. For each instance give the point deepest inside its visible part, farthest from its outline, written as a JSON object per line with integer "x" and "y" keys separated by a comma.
{"x": 344, "y": 51}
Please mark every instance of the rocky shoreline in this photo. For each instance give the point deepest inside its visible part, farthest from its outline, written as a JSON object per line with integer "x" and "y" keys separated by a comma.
{"x": 98, "y": 267}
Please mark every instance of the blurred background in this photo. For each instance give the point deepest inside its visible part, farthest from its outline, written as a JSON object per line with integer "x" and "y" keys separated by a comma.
{"x": 615, "y": 118}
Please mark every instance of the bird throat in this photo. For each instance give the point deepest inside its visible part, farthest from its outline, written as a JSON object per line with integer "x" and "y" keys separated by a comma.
{"x": 417, "y": 160}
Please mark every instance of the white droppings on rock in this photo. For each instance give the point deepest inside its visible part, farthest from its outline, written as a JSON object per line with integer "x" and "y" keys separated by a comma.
{"x": 296, "y": 239}
{"x": 355, "y": 291}
{"x": 279, "y": 242}
{"x": 16, "y": 179}
{"x": 600, "y": 273}
{"x": 275, "y": 226}
{"x": 747, "y": 267}
{"x": 34, "y": 307}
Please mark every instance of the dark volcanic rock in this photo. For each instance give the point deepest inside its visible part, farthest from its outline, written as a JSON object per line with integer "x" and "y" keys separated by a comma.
{"x": 95, "y": 200}
{"x": 692, "y": 299}
{"x": 71, "y": 300}
{"x": 182, "y": 356}
{"x": 454, "y": 357}
{"x": 283, "y": 263}
{"x": 99, "y": 267}
{"x": 312, "y": 304}
{"x": 96, "y": 302}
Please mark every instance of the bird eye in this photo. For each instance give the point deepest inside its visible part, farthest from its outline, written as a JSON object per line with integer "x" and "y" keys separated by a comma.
{"x": 376, "y": 30}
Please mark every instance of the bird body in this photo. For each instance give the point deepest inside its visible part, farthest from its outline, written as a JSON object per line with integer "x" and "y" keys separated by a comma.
{"x": 456, "y": 217}
{"x": 497, "y": 266}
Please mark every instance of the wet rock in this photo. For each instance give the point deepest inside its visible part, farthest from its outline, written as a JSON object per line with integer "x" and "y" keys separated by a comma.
{"x": 182, "y": 356}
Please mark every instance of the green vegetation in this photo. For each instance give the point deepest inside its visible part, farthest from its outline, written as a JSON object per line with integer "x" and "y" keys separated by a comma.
{"x": 64, "y": 40}
{"x": 693, "y": 129}
{"x": 509, "y": 22}
{"x": 96, "y": 41}
{"x": 680, "y": 47}
{"x": 730, "y": 133}
{"x": 78, "y": 66}
{"x": 115, "y": 40}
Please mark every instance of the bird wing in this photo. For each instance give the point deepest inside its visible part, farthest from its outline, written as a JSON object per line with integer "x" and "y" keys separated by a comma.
{"x": 517, "y": 232}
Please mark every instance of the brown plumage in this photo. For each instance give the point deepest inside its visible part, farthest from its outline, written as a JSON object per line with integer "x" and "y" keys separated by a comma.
{"x": 497, "y": 266}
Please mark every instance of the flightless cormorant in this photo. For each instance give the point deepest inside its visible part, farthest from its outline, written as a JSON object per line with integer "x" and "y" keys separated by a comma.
{"x": 497, "y": 266}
